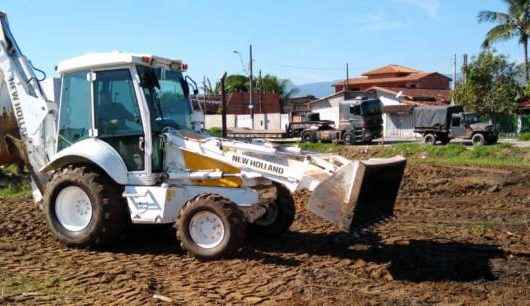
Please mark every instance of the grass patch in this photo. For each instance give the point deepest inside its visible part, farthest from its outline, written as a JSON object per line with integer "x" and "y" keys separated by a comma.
{"x": 13, "y": 186}
{"x": 19, "y": 191}
{"x": 320, "y": 147}
{"x": 16, "y": 285}
{"x": 500, "y": 155}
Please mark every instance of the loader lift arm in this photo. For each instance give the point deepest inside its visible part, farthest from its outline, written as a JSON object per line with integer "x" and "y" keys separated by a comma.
{"x": 30, "y": 105}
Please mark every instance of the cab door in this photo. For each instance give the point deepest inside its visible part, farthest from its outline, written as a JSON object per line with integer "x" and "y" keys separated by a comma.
{"x": 117, "y": 116}
{"x": 457, "y": 126}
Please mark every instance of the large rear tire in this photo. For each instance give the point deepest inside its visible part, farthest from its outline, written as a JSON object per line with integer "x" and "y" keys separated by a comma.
{"x": 211, "y": 227}
{"x": 279, "y": 217}
{"x": 84, "y": 207}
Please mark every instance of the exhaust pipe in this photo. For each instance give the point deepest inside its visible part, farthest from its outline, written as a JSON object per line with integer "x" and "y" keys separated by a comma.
{"x": 359, "y": 194}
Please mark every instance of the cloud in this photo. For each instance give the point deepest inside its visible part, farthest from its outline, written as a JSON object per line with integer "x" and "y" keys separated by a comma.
{"x": 378, "y": 22}
{"x": 430, "y": 7}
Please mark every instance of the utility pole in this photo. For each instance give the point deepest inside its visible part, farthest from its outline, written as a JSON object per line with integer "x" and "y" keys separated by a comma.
{"x": 251, "y": 101}
{"x": 347, "y": 73}
{"x": 347, "y": 80}
{"x": 464, "y": 68}
{"x": 454, "y": 79}
{"x": 223, "y": 110}
{"x": 260, "y": 92}
{"x": 204, "y": 93}
{"x": 454, "y": 73}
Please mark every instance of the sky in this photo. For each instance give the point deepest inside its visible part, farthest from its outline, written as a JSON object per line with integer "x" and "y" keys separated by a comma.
{"x": 304, "y": 41}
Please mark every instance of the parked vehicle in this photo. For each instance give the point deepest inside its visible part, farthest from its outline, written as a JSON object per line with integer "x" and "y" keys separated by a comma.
{"x": 444, "y": 123}
{"x": 360, "y": 122}
{"x": 311, "y": 122}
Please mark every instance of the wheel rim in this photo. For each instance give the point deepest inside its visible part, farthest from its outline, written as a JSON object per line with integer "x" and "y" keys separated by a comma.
{"x": 206, "y": 229}
{"x": 73, "y": 208}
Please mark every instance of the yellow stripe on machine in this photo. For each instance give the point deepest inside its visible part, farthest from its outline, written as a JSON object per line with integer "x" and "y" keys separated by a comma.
{"x": 198, "y": 162}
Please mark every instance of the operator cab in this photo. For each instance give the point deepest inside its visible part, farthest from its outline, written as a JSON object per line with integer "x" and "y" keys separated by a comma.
{"x": 127, "y": 101}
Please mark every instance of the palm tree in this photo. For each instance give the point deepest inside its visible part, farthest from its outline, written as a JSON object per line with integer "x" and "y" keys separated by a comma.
{"x": 514, "y": 23}
{"x": 272, "y": 84}
{"x": 266, "y": 84}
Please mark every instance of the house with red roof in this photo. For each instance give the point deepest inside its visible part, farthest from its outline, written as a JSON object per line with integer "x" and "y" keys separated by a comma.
{"x": 395, "y": 76}
{"x": 400, "y": 89}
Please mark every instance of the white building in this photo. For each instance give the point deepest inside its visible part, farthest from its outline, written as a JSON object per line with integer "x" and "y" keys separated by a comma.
{"x": 398, "y": 104}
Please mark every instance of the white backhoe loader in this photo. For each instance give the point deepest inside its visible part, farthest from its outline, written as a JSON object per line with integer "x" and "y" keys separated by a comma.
{"x": 124, "y": 145}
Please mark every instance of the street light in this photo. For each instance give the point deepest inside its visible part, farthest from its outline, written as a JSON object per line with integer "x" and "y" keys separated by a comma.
{"x": 250, "y": 66}
{"x": 241, "y": 59}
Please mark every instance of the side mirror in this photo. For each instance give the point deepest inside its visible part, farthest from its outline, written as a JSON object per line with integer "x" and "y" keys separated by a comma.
{"x": 189, "y": 81}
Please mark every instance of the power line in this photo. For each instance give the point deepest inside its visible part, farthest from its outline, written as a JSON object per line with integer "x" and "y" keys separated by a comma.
{"x": 309, "y": 68}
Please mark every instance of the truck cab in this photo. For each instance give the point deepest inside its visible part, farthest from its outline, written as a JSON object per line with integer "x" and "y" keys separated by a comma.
{"x": 471, "y": 126}
{"x": 362, "y": 121}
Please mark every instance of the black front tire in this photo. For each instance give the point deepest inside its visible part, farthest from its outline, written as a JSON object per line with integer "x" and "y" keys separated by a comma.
{"x": 109, "y": 209}
{"x": 233, "y": 221}
{"x": 279, "y": 218}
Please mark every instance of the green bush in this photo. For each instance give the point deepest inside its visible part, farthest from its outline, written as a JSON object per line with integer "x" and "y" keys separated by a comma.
{"x": 215, "y": 131}
{"x": 525, "y": 136}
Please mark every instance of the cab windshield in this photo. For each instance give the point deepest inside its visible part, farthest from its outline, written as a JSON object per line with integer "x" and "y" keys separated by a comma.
{"x": 472, "y": 118}
{"x": 166, "y": 93}
{"x": 371, "y": 108}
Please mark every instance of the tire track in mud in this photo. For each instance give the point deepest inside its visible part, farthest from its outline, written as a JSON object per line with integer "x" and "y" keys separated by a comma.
{"x": 412, "y": 260}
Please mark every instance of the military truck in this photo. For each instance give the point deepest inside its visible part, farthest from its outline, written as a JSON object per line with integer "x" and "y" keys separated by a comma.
{"x": 361, "y": 121}
{"x": 441, "y": 124}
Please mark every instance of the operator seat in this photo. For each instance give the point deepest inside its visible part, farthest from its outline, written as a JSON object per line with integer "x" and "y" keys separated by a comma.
{"x": 111, "y": 115}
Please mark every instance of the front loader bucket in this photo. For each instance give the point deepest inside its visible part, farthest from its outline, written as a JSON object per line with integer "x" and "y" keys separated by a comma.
{"x": 360, "y": 193}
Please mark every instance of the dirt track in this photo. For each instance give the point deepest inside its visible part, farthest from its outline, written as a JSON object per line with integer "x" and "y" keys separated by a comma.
{"x": 461, "y": 236}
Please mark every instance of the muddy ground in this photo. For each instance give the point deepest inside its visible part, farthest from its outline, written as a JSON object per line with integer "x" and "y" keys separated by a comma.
{"x": 461, "y": 236}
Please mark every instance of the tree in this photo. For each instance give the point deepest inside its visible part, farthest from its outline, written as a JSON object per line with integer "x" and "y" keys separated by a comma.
{"x": 237, "y": 82}
{"x": 514, "y": 23}
{"x": 491, "y": 85}
{"x": 272, "y": 84}
{"x": 267, "y": 84}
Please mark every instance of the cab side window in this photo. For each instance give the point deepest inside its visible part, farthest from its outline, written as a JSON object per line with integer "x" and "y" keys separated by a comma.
{"x": 76, "y": 112}
{"x": 117, "y": 113}
{"x": 355, "y": 110}
{"x": 456, "y": 121}
{"x": 118, "y": 118}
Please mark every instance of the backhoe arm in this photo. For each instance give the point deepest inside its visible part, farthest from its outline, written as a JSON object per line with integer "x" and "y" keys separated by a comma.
{"x": 29, "y": 103}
